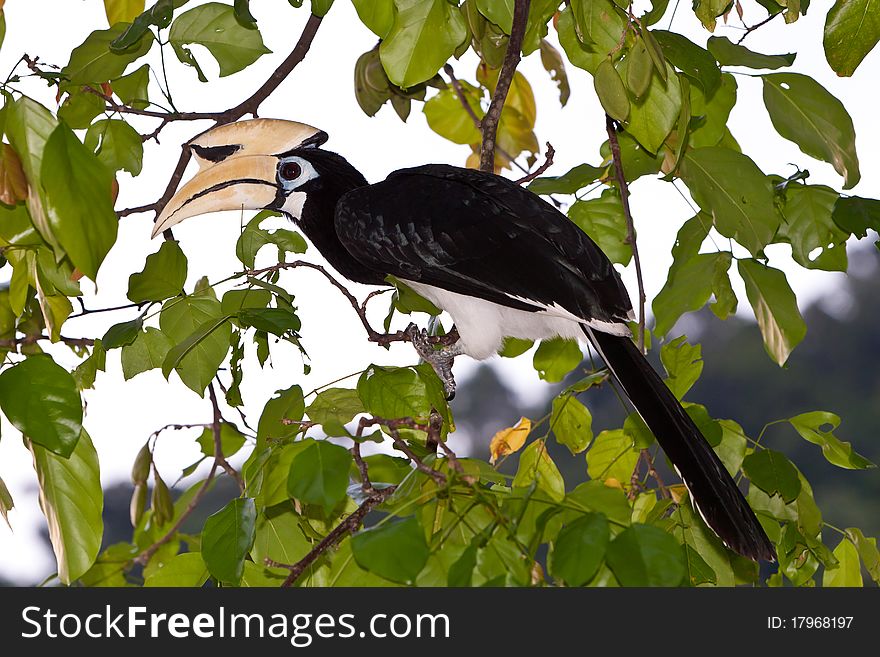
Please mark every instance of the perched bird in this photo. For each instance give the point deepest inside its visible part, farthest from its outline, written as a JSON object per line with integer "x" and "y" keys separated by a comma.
{"x": 500, "y": 260}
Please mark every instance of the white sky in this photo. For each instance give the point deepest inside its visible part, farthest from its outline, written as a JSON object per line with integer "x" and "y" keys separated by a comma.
{"x": 320, "y": 92}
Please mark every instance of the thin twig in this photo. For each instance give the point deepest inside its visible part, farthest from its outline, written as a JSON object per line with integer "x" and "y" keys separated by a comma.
{"x": 366, "y": 484}
{"x": 216, "y": 429}
{"x": 750, "y": 29}
{"x": 33, "y": 339}
{"x": 505, "y": 78}
{"x": 393, "y": 426}
{"x": 630, "y": 228}
{"x": 548, "y": 162}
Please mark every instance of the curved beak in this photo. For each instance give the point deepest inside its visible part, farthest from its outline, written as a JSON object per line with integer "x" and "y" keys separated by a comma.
{"x": 245, "y": 182}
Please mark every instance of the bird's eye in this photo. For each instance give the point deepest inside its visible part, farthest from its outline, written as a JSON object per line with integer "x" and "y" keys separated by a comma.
{"x": 290, "y": 171}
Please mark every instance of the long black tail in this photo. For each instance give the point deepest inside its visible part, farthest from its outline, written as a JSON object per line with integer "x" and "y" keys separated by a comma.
{"x": 713, "y": 491}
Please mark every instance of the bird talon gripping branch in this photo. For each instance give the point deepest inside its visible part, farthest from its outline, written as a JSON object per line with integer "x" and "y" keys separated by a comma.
{"x": 500, "y": 260}
{"x": 440, "y": 359}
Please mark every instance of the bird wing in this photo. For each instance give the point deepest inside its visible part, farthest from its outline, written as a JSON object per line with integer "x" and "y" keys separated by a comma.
{"x": 481, "y": 235}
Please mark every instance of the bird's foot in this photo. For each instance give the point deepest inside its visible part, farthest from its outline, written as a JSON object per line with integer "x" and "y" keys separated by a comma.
{"x": 440, "y": 359}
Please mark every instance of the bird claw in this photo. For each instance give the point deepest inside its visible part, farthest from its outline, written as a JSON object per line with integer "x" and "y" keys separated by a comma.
{"x": 439, "y": 359}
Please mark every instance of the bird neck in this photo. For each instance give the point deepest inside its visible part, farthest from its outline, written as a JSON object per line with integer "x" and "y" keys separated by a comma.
{"x": 336, "y": 178}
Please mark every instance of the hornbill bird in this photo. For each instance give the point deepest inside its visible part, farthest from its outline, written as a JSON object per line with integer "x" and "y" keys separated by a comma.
{"x": 500, "y": 260}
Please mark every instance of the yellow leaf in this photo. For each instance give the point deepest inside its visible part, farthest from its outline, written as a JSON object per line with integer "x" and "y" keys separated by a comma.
{"x": 611, "y": 482}
{"x": 509, "y": 440}
{"x": 13, "y": 184}
{"x": 678, "y": 491}
{"x": 122, "y": 11}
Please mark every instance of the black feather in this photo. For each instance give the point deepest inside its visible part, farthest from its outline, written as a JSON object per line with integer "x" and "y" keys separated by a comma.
{"x": 712, "y": 489}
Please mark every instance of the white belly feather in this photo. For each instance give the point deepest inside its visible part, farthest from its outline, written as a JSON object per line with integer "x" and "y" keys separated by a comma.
{"x": 483, "y": 325}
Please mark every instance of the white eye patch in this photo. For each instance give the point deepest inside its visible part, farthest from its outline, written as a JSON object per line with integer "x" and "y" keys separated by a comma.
{"x": 294, "y": 172}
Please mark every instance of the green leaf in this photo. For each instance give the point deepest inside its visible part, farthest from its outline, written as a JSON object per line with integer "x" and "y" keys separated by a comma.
{"x": 122, "y": 334}
{"x": 80, "y": 108}
{"x": 253, "y": 238}
{"x": 227, "y": 538}
{"x": 775, "y": 306}
{"x": 556, "y": 357}
{"x": 809, "y": 226}
{"x": 596, "y": 496}
{"x": 554, "y": 64}
{"x": 611, "y": 91}
{"x": 276, "y": 321}
{"x": 117, "y": 145}
{"x": 636, "y": 160}
{"x": 841, "y": 454}
{"x": 231, "y": 440}
{"x": 690, "y": 288}
{"x": 40, "y": 399}
{"x": 867, "y": 548}
{"x": 448, "y": 118}
{"x": 572, "y": 423}
{"x": 732, "y": 448}
{"x": 28, "y": 127}
{"x": 423, "y": 36}
{"x": 643, "y": 555}
{"x": 579, "y": 549}
{"x": 182, "y": 570}
{"x": 568, "y": 183}
{"x": 729, "y": 186}
{"x": 72, "y": 501}
{"x": 6, "y": 503}
{"x": 804, "y": 112}
{"x": 683, "y": 363}
{"x": 712, "y": 112}
{"x": 640, "y": 69}
{"x": 286, "y": 404}
{"x": 377, "y": 15}
{"x": 86, "y": 372}
{"x": 122, "y": 11}
{"x": 319, "y": 475}
{"x": 856, "y": 215}
{"x": 499, "y": 12}
{"x": 201, "y": 334}
{"x": 461, "y": 572}
{"x": 852, "y": 29}
{"x": 732, "y": 54}
{"x": 279, "y": 537}
{"x": 236, "y": 300}
{"x": 214, "y": 26}
{"x": 604, "y": 221}
{"x": 773, "y": 473}
{"x": 612, "y": 456}
{"x": 163, "y": 275}
{"x": 536, "y": 466}
{"x": 395, "y": 550}
{"x": 132, "y": 89}
{"x": 849, "y": 569}
{"x": 79, "y": 203}
{"x": 698, "y": 571}
{"x": 653, "y": 117}
{"x": 393, "y": 392}
{"x": 94, "y": 62}
{"x": 708, "y": 10}
{"x": 333, "y": 408}
{"x": 690, "y": 59}
{"x": 588, "y": 31}
{"x": 205, "y": 348}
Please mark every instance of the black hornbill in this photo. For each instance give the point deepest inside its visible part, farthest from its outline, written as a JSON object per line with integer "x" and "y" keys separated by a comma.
{"x": 500, "y": 260}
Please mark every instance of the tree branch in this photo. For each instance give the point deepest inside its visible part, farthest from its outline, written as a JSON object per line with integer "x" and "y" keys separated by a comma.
{"x": 505, "y": 77}
{"x": 216, "y": 425}
{"x": 33, "y": 339}
{"x": 348, "y": 526}
{"x": 248, "y": 106}
{"x": 611, "y": 128}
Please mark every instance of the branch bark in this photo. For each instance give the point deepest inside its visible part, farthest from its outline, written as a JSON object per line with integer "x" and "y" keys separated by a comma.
{"x": 505, "y": 77}
{"x": 611, "y": 128}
